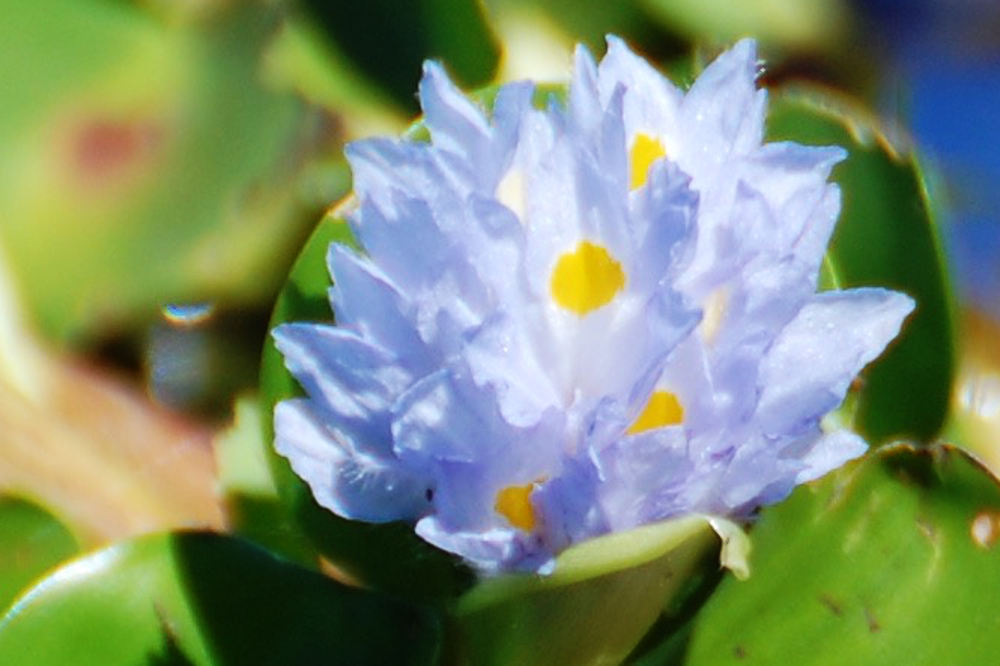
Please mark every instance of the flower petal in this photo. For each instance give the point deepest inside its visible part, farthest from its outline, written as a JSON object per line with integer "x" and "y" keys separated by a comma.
{"x": 341, "y": 478}
{"x": 724, "y": 109}
{"x": 834, "y": 336}
{"x": 366, "y": 301}
{"x": 351, "y": 381}
{"x": 456, "y": 124}
{"x": 651, "y": 102}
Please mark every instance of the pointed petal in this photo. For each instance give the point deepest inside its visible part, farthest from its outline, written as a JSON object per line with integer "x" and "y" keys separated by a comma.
{"x": 341, "y": 478}
{"x": 724, "y": 109}
{"x": 456, "y": 124}
{"x": 366, "y": 300}
{"x": 651, "y": 101}
{"x": 828, "y": 452}
{"x": 350, "y": 380}
{"x": 833, "y": 337}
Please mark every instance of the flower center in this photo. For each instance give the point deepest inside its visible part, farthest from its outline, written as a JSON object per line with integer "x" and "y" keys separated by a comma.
{"x": 586, "y": 278}
{"x": 663, "y": 409}
{"x": 514, "y": 504}
{"x": 645, "y": 151}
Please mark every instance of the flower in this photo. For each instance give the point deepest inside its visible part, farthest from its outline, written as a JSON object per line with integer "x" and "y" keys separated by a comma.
{"x": 579, "y": 319}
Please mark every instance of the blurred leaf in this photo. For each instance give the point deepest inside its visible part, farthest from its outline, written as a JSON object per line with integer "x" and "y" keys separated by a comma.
{"x": 91, "y": 447}
{"x": 302, "y": 59}
{"x": 803, "y": 24}
{"x": 206, "y": 599}
{"x": 974, "y": 422}
{"x": 892, "y": 559}
{"x": 593, "y": 609}
{"x": 109, "y": 462}
{"x": 31, "y": 542}
{"x": 389, "y": 40}
{"x": 887, "y": 236}
{"x": 146, "y": 160}
{"x": 586, "y": 21}
{"x": 240, "y": 454}
{"x": 387, "y": 557}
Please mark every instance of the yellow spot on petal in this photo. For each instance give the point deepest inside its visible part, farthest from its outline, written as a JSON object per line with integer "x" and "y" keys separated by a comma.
{"x": 663, "y": 409}
{"x": 586, "y": 278}
{"x": 645, "y": 151}
{"x": 514, "y": 504}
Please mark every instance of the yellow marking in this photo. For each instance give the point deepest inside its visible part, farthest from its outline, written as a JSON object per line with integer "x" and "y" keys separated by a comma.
{"x": 645, "y": 151}
{"x": 663, "y": 409}
{"x": 514, "y": 504}
{"x": 586, "y": 279}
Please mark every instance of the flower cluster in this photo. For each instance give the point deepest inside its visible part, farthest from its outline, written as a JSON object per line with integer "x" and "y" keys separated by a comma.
{"x": 580, "y": 319}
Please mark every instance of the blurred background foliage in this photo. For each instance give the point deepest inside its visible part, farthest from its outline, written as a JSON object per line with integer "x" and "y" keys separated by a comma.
{"x": 164, "y": 161}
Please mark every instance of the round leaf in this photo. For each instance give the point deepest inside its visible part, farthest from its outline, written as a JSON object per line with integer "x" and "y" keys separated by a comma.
{"x": 206, "y": 599}
{"x": 593, "y": 609}
{"x": 893, "y": 559}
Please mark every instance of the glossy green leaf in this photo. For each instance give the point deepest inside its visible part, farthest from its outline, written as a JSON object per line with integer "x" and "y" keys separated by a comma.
{"x": 593, "y": 609}
{"x": 891, "y": 560}
{"x": 887, "y": 236}
{"x": 32, "y": 541}
{"x": 206, "y": 599}
{"x": 146, "y": 158}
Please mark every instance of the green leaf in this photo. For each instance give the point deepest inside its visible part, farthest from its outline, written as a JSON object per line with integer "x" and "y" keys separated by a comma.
{"x": 388, "y": 557}
{"x": 593, "y": 609}
{"x": 389, "y": 40}
{"x": 586, "y": 21}
{"x": 32, "y": 541}
{"x": 206, "y": 599}
{"x": 887, "y": 236}
{"x": 893, "y": 559}
{"x": 803, "y": 24}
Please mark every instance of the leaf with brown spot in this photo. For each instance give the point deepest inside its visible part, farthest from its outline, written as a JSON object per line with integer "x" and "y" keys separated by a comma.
{"x": 888, "y": 592}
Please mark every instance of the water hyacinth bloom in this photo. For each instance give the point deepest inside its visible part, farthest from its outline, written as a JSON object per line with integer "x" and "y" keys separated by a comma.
{"x": 580, "y": 319}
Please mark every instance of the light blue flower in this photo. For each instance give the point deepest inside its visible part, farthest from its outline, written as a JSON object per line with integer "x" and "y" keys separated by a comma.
{"x": 578, "y": 320}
